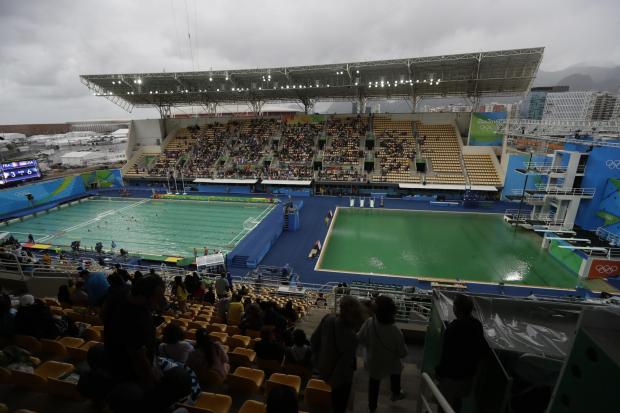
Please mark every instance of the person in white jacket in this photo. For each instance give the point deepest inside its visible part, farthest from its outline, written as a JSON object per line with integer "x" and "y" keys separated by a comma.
{"x": 385, "y": 349}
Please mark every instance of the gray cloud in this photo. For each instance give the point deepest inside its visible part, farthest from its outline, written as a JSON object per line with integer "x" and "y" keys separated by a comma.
{"x": 45, "y": 45}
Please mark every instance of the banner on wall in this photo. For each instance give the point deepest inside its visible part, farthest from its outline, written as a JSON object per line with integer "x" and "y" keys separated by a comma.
{"x": 485, "y": 129}
{"x": 103, "y": 178}
{"x": 39, "y": 193}
{"x": 601, "y": 268}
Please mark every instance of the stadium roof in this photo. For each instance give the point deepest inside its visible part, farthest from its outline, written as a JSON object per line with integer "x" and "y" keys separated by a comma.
{"x": 497, "y": 73}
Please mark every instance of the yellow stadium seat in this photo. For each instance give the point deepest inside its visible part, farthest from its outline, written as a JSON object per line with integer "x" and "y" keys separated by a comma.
{"x": 246, "y": 380}
{"x": 62, "y": 388}
{"x": 252, "y": 406}
{"x": 211, "y": 402}
{"x": 217, "y": 327}
{"x": 92, "y": 334}
{"x": 28, "y": 343}
{"x": 37, "y": 381}
{"x": 53, "y": 349}
{"x": 5, "y": 376}
{"x": 242, "y": 356}
{"x": 239, "y": 341}
{"x": 318, "y": 394}
{"x": 278, "y": 379}
{"x": 219, "y": 336}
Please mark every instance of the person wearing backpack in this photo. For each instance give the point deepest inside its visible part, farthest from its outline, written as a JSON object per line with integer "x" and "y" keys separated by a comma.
{"x": 385, "y": 349}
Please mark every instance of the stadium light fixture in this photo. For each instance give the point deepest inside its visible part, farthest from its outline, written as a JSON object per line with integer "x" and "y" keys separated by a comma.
{"x": 210, "y": 79}
{"x": 218, "y": 90}
{"x": 139, "y": 81}
{"x": 328, "y": 85}
{"x": 233, "y": 89}
{"x": 357, "y": 72}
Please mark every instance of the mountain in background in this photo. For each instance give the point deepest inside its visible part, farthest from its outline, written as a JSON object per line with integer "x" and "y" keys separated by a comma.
{"x": 582, "y": 77}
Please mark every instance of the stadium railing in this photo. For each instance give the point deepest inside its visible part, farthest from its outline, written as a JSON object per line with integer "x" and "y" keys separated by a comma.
{"x": 429, "y": 392}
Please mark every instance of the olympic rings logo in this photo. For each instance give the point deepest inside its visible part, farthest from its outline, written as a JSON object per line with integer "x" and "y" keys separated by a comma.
{"x": 606, "y": 269}
{"x": 613, "y": 163}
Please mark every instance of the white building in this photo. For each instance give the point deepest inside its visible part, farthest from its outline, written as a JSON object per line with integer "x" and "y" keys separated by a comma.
{"x": 582, "y": 105}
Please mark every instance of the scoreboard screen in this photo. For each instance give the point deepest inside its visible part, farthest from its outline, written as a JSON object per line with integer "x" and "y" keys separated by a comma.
{"x": 14, "y": 172}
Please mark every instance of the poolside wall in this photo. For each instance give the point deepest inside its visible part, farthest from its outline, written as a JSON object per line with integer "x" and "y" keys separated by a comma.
{"x": 49, "y": 193}
{"x": 253, "y": 248}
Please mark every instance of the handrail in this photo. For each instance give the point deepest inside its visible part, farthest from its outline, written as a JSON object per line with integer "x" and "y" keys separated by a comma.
{"x": 424, "y": 403}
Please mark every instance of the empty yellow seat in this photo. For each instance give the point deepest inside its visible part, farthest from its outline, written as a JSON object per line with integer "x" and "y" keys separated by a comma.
{"x": 62, "y": 388}
{"x": 219, "y": 336}
{"x": 217, "y": 327}
{"x": 29, "y": 343}
{"x": 318, "y": 393}
{"x": 246, "y": 380}
{"x": 242, "y": 356}
{"x": 279, "y": 379}
{"x": 252, "y": 406}
{"x": 239, "y": 341}
{"x": 211, "y": 402}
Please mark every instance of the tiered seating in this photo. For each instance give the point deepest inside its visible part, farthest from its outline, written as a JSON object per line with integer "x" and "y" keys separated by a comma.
{"x": 208, "y": 148}
{"x": 396, "y": 150}
{"x": 481, "y": 170}
{"x": 139, "y": 164}
{"x": 440, "y": 145}
{"x": 174, "y": 150}
{"x": 249, "y": 148}
{"x": 343, "y": 157}
{"x": 296, "y": 151}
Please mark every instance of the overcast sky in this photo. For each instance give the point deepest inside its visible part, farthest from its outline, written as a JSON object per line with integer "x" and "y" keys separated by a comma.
{"x": 45, "y": 45}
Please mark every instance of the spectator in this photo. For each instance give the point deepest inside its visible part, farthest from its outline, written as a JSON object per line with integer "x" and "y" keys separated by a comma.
{"x": 190, "y": 284}
{"x": 7, "y": 317}
{"x": 222, "y": 306}
{"x": 180, "y": 292}
{"x": 385, "y": 347}
{"x": 79, "y": 296}
{"x": 229, "y": 280}
{"x": 34, "y": 318}
{"x": 252, "y": 319}
{"x": 464, "y": 346}
{"x": 235, "y": 310}
{"x": 209, "y": 296}
{"x": 267, "y": 348}
{"x": 221, "y": 286}
{"x": 64, "y": 297}
{"x": 122, "y": 272}
{"x": 300, "y": 352}
{"x": 282, "y": 399}
{"x": 137, "y": 381}
{"x": 334, "y": 344}
{"x": 199, "y": 292}
{"x": 46, "y": 259}
{"x": 96, "y": 286}
{"x": 174, "y": 346}
{"x": 207, "y": 355}
{"x": 289, "y": 312}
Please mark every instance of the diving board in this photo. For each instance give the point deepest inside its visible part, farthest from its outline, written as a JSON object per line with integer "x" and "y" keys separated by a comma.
{"x": 570, "y": 239}
{"x": 572, "y": 247}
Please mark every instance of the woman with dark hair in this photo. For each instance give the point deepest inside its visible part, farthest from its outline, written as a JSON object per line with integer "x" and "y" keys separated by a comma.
{"x": 252, "y": 319}
{"x": 385, "y": 347}
{"x": 207, "y": 355}
{"x": 282, "y": 399}
{"x": 174, "y": 346}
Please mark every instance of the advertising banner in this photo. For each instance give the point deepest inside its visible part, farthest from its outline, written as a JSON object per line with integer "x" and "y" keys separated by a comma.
{"x": 486, "y": 129}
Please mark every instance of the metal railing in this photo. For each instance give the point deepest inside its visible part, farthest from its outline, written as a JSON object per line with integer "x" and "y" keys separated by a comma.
{"x": 606, "y": 235}
{"x": 24, "y": 267}
{"x": 430, "y": 394}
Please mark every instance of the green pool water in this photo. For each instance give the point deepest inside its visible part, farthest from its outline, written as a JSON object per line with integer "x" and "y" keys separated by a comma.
{"x": 441, "y": 245}
{"x": 158, "y": 227}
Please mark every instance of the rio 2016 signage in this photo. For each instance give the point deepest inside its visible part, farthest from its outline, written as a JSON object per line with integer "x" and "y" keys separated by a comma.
{"x": 486, "y": 129}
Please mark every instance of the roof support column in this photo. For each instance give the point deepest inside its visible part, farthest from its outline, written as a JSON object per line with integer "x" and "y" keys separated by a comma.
{"x": 308, "y": 104}
{"x": 361, "y": 104}
{"x": 257, "y": 106}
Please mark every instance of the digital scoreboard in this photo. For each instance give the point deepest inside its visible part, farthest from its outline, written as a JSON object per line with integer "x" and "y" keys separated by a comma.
{"x": 14, "y": 172}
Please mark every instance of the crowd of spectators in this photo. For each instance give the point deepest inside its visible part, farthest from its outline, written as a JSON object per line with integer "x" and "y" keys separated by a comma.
{"x": 210, "y": 141}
